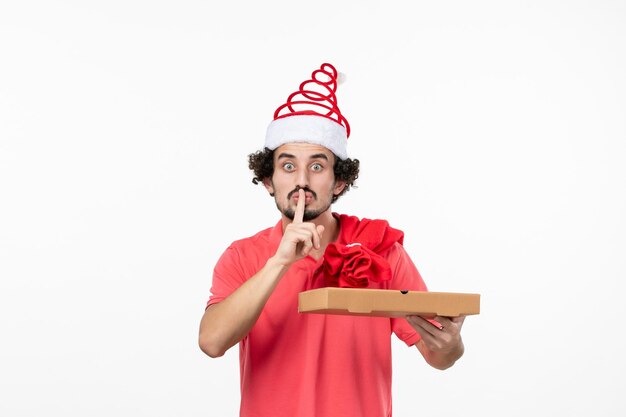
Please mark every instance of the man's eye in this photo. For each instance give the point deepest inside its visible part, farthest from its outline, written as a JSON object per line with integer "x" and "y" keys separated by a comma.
{"x": 316, "y": 167}
{"x": 288, "y": 166}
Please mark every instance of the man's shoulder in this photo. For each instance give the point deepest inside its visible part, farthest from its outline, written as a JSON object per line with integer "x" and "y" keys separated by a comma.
{"x": 262, "y": 237}
{"x": 359, "y": 225}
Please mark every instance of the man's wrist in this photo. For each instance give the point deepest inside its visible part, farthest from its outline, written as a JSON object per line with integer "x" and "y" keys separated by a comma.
{"x": 276, "y": 265}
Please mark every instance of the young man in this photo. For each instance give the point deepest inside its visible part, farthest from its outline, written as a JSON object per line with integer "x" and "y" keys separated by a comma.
{"x": 308, "y": 365}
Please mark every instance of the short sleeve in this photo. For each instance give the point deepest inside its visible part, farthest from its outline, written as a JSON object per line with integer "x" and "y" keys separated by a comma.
{"x": 405, "y": 277}
{"x": 228, "y": 275}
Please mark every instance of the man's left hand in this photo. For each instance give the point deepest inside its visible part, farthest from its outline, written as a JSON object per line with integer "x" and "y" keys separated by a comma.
{"x": 440, "y": 345}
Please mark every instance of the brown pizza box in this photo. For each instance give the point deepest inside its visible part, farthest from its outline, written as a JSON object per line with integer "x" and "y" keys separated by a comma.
{"x": 387, "y": 303}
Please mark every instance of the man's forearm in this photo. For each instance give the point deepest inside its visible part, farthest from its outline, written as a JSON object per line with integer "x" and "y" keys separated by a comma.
{"x": 224, "y": 324}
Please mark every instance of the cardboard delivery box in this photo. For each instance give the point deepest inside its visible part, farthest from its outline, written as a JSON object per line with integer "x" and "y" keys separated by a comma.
{"x": 387, "y": 303}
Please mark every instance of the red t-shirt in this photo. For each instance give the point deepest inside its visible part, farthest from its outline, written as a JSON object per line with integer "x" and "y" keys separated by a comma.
{"x": 312, "y": 365}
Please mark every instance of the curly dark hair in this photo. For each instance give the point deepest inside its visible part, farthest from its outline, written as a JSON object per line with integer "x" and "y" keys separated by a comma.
{"x": 262, "y": 164}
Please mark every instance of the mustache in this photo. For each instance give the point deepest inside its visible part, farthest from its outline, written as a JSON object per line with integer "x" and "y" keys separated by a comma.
{"x": 306, "y": 189}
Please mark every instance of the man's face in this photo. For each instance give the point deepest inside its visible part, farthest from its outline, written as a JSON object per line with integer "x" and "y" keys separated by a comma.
{"x": 306, "y": 166}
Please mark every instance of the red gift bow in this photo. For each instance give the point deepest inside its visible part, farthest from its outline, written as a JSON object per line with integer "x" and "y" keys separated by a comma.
{"x": 353, "y": 265}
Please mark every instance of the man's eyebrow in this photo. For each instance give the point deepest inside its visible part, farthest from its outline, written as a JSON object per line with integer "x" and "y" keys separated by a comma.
{"x": 319, "y": 156}
{"x": 314, "y": 156}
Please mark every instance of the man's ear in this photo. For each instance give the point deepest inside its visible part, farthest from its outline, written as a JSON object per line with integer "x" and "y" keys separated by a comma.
{"x": 267, "y": 182}
{"x": 339, "y": 186}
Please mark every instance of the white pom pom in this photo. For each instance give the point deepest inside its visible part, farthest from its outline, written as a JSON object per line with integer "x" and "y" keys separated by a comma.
{"x": 341, "y": 78}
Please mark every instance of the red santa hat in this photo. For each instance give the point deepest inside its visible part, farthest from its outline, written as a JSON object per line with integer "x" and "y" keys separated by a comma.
{"x": 311, "y": 115}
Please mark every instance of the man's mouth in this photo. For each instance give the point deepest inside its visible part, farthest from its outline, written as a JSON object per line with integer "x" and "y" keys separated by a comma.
{"x": 309, "y": 195}
{"x": 307, "y": 199}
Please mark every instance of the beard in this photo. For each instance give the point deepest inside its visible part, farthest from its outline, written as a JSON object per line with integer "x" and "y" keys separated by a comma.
{"x": 308, "y": 214}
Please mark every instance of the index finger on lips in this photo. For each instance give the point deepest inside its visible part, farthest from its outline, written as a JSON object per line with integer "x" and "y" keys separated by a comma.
{"x": 299, "y": 214}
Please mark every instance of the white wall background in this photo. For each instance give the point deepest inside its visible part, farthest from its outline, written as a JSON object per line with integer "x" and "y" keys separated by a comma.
{"x": 493, "y": 133}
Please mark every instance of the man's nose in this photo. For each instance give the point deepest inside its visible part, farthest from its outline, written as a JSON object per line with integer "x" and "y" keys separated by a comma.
{"x": 303, "y": 178}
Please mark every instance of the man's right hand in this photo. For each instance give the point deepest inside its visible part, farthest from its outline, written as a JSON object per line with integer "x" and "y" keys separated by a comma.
{"x": 300, "y": 237}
